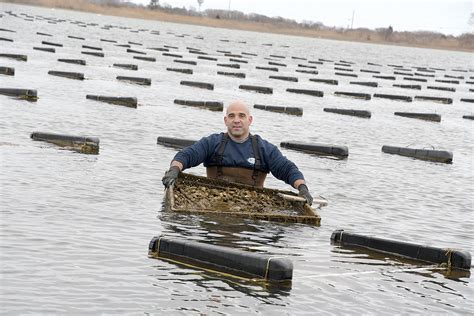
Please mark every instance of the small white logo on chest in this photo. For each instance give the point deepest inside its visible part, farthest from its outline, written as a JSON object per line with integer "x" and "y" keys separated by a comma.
{"x": 251, "y": 160}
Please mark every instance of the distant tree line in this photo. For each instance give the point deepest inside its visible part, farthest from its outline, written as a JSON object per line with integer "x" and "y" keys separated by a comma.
{"x": 288, "y": 26}
{"x": 386, "y": 34}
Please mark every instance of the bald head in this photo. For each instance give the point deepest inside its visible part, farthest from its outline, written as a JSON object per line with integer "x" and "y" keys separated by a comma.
{"x": 238, "y": 120}
{"x": 238, "y": 106}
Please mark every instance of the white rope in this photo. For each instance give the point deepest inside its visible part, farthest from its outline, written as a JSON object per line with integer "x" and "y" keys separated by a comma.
{"x": 372, "y": 272}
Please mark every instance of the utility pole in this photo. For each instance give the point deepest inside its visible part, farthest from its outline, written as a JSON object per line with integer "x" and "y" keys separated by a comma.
{"x": 352, "y": 22}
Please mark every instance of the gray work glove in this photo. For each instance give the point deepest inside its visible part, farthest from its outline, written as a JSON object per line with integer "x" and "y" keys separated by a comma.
{"x": 170, "y": 176}
{"x": 303, "y": 191}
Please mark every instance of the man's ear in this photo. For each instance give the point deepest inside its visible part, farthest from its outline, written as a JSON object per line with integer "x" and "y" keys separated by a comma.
{"x": 250, "y": 119}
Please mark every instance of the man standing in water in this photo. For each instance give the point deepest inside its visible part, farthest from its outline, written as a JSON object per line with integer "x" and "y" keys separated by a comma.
{"x": 238, "y": 156}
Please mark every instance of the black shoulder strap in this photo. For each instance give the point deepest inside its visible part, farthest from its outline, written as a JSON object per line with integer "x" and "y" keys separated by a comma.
{"x": 258, "y": 162}
{"x": 256, "y": 152}
{"x": 219, "y": 156}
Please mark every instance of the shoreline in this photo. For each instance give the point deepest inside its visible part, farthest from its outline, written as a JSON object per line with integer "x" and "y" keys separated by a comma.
{"x": 448, "y": 43}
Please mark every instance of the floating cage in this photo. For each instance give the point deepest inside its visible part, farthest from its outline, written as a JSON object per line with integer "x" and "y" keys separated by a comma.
{"x": 201, "y": 195}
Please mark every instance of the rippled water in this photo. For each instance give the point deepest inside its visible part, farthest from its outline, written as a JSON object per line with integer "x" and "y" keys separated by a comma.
{"x": 75, "y": 228}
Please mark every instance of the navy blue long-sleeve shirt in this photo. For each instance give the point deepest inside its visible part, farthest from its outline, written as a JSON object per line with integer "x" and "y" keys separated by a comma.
{"x": 240, "y": 155}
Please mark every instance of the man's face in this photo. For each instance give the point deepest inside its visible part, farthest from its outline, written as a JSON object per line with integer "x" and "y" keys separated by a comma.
{"x": 238, "y": 121}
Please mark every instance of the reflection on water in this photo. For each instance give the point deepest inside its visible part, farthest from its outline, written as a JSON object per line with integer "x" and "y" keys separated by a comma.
{"x": 74, "y": 228}
{"x": 234, "y": 232}
{"x": 396, "y": 264}
{"x": 190, "y": 272}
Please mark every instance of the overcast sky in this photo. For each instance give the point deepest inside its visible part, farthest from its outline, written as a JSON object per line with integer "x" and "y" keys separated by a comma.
{"x": 444, "y": 16}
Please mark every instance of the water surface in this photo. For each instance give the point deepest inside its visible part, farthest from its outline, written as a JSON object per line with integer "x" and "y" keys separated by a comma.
{"x": 75, "y": 228}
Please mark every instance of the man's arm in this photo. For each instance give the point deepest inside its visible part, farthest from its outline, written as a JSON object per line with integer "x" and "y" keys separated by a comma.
{"x": 284, "y": 169}
{"x": 195, "y": 154}
{"x": 176, "y": 163}
{"x": 188, "y": 157}
{"x": 298, "y": 182}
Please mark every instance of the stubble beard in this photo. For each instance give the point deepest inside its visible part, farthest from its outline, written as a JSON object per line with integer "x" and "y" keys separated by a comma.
{"x": 236, "y": 133}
